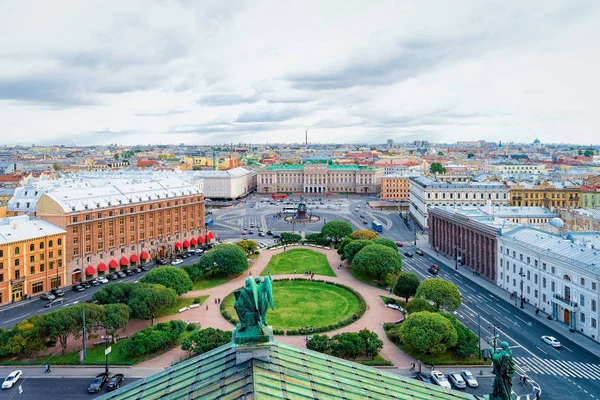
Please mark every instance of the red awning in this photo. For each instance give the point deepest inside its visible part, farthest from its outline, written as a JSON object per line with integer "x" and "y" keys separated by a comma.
{"x": 133, "y": 258}
{"x": 210, "y": 236}
{"x": 200, "y": 239}
{"x": 177, "y": 245}
{"x": 89, "y": 271}
{"x": 101, "y": 267}
{"x": 186, "y": 244}
{"x": 124, "y": 261}
{"x": 144, "y": 255}
{"x": 113, "y": 264}
{"x": 193, "y": 242}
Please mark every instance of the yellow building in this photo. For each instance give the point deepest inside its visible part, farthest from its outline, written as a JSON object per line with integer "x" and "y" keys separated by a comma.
{"x": 395, "y": 187}
{"x": 546, "y": 194}
{"x": 223, "y": 163}
{"x": 32, "y": 258}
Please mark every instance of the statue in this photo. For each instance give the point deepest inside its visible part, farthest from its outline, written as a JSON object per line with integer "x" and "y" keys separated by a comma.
{"x": 251, "y": 304}
{"x": 504, "y": 369}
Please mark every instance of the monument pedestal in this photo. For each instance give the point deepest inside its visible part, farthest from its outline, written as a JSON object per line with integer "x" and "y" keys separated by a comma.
{"x": 252, "y": 344}
{"x": 252, "y": 335}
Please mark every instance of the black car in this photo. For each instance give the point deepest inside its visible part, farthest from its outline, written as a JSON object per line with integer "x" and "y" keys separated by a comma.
{"x": 276, "y": 236}
{"x": 434, "y": 269}
{"x": 98, "y": 383}
{"x": 78, "y": 288}
{"x": 94, "y": 282}
{"x": 129, "y": 272}
{"x": 419, "y": 252}
{"x": 137, "y": 270}
{"x": 121, "y": 274}
{"x": 144, "y": 268}
{"x": 115, "y": 382}
{"x": 57, "y": 292}
{"x": 112, "y": 277}
{"x": 86, "y": 285}
{"x": 423, "y": 378}
{"x": 408, "y": 254}
{"x": 162, "y": 261}
{"x": 269, "y": 233}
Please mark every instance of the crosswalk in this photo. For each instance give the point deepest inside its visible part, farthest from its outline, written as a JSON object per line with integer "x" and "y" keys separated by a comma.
{"x": 571, "y": 369}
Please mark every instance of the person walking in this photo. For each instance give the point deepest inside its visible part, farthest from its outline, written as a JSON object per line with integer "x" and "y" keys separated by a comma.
{"x": 207, "y": 307}
{"x": 537, "y": 312}
{"x": 47, "y": 369}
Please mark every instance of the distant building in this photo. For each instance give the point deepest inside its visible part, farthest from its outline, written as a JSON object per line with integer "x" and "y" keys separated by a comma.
{"x": 545, "y": 194}
{"x": 590, "y": 193}
{"x": 507, "y": 169}
{"x": 395, "y": 187}
{"x": 390, "y": 143}
{"x": 230, "y": 184}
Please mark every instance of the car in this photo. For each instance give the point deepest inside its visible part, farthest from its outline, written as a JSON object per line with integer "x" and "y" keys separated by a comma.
{"x": 251, "y": 225}
{"x": 365, "y": 222}
{"x": 129, "y": 272}
{"x": 112, "y": 277}
{"x": 162, "y": 261}
{"x": 115, "y": 382}
{"x": 100, "y": 280}
{"x": 276, "y": 236}
{"x": 551, "y": 341}
{"x": 11, "y": 379}
{"x": 469, "y": 378}
{"x": 55, "y": 302}
{"x": 362, "y": 216}
{"x": 137, "y": 270}
{"x": 86, "y": 285}
{"x": 144, "y": 268}
{"x": 423, "y": 378}
{"x": 261, "y": 234}
{"x": 420, "y": 252}
{"x": 399, "y": 244}
{"x": 91, "y": 301}
{"x": 434, "y": 269}
{"x": 356, "y": 210}
{"x": 47, "y": 296}
{"x": 358, "y": 206}
{"x": 58, "y": 292}
{"x": 408, "y": 254}
{"x": 97, "y": 281}
{"x": 439, "y": 379}
{"x": 269, "y": 233}
{"x": 456, "y": 380}
{"x": 250, "y": 233}
{"x": 244, "y": 232}
{"x": 78, "y": 288}
{"x": 98, "y": 382}
{"x": 177, "y": 261}
{"x": 121, "y": 274}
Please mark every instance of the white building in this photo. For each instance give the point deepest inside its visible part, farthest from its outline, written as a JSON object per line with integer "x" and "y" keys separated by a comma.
{"x": 557, "y": 275}
{"x": 514, "y": 168}
{"x": 426, "y": 192}
{"x": 229, "y": 184}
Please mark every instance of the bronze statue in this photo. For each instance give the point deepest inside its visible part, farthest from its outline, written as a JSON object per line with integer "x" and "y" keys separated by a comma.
{"x": 251, "y": 304}
{"x": 504, "y": 369}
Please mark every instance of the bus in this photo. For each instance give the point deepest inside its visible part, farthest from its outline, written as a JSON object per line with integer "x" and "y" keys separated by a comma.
{"x": 210, "y": 222}
{"x": 376, "y": 225}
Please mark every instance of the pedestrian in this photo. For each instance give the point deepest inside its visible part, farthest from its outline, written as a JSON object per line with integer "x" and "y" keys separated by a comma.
{"x": 215, "y": 300}
{"x": 219, "y": 300}
{"x": 207, "y": 307}
{"x": 537, "y": 394}
{"x": 47, "y": 369}
{"x": 390, "y": 290}
{"x": 537, "y": 312}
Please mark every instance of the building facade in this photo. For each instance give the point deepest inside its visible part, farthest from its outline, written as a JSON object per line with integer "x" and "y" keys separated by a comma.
{"x": 426, "y": 192}
{"x": 509, "y": 169}
{"x": 319, "y": 177}
{"x": 552, "y": 273}
{"x": 124, "y": 223}
{"x": 590, "y": 196}
{"x": 395, "y": 187}
{"x": 545, "y": 194}
{"x": 32, "y": 258}
{"x": 231, "y": 184}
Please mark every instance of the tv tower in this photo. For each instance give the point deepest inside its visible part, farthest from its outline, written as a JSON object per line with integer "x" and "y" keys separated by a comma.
{"x": 306, "y": 138}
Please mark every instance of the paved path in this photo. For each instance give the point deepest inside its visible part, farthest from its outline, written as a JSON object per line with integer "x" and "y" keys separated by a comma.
{"x": 372, "y": 319}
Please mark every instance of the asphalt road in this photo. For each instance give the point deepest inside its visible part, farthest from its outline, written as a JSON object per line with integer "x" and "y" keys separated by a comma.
{"x": 49, "y": 388}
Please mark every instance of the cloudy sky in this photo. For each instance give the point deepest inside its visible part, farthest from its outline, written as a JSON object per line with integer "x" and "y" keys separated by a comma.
{"x": 203, "y": 72}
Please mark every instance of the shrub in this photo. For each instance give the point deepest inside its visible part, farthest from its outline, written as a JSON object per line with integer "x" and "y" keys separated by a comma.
{"x": 153, "y": 338}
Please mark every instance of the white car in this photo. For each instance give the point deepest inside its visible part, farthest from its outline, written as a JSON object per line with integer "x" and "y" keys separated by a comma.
{"x": 11, "y": 379}
{"x": 469, "y": 378}
{"x": 177, "y": 261}
{"x": 102, "y": 279}
{"x": 439, "y": 379}
{"x": 551, "y": 341}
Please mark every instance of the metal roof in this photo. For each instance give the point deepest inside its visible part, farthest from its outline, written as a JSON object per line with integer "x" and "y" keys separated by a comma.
{"x": 21, "y": 228}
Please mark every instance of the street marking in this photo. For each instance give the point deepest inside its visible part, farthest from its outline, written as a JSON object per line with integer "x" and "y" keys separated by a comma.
{"x": 541, "y": 350}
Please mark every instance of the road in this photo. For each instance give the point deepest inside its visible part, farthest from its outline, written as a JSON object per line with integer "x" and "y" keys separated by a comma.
{"x": 53, "y": 388}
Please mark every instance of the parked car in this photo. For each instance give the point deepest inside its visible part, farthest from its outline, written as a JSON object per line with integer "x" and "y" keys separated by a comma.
{"x": 434, "y": 269}
{"x": 399, "y": 244}
{"x": 47, "y": 296}
{"x": 86, "y": 285}
{"x": 98, "y": 382}
{"x": 55, "y": 302}
{"x": 58, "y": 292}
{"x": 129, "y": 272}
{"x": 551, "y": 341}
{"x": 11, "y": 379}
{"x": 408, "y": 254}
{"x": 100, "y": 280}
{"x": 261, "y": 234}
{"x": 362, "y": 216}
{"x": 115, "y": 382}
{"x": 439, "y": 379}
{"x": 269, "y": 233}
{"x": 112, "y": 277}
{"x": 137, "y": 270}
{"x": 276, "y": 236}
{"x": 469, "y": 378}
{"x": 144, "y": 268}
{"x": 177, "y": 261}
{"x": 419, "y": 252}
{"x": 456, "y": 380}
{"x": 78, "y": 288}
{"x": 244, "y": 232}
{"x": 423, "y": 377}
{"x": 162, "y": 261}
{"x": 96, "y": 282}
{"x": 121, "y": 274}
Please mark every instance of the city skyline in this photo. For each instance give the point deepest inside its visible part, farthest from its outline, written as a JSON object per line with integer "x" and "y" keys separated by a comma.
{"x": 265, "y": 72}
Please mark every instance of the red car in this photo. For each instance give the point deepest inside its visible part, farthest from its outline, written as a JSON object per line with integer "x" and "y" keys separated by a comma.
{"x": 399, "y": 244}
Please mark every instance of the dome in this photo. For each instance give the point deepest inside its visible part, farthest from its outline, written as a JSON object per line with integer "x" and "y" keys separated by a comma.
{"x": 557, "y": 222}
{"x": 536, "y": 141}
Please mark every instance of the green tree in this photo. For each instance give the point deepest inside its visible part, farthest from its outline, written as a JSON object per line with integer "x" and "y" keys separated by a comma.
{"x": 466, "y": 344}
{"x": 317, "y": 238}
{"x": 320, "y": 343}
{"x": 94, "y": 316}
{"x": 205, "y": 340}
{"x": 194, "y": 271}
{"x": 440, "y": 153}
{"x": 377, "y": 260}
{"x": 442, "y": 293}
{"x": 428, "y": 332}
{"x": 116, "y": 318}
{"x": 336, "y": 230}
{"x": 343, "y": 244}
{"x": 347, "y": 345}
{"x": 354, "y": 247}
{"x": 470, "y": 155}
{"x": 580, "y": 152}
{"x": 363, "y": 234}
{"x": 248, "y": 246}
{"x": 417, "y": 305}
{"x": 56, "y": 167}
{"x": 406, "y": 285}
{"x": 170, "y": 277}
{"x": 115, "y": 293}
{"x": 59, "y": 325}
{"x": 386, "y": 242}
{"x": 152, "y": 338}
{"x": 116, "y": 156}
{"x": 372, "y": 343}
{"x": 26, "y": 337}
{"x": 228, "y": 258}
{"x": 588, "y": 152}
{"x": 4, "y": 337}
{"x": 437, "y": 168}
{"x": 289, "y": 237}
{"x": 145, "y": 304}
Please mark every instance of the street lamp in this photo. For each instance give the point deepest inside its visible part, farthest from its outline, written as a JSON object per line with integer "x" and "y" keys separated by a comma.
{"x": 521, "y": 274}
{"x": 495, "y": 337}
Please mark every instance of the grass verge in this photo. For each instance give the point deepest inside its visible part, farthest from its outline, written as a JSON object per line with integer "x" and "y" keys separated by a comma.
{"x": 179, "y": 304}
{"x": 299, "y": 261}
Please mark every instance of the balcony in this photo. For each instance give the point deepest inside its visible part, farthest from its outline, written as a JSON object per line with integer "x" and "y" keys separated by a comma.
{"x": 566, "y": 303}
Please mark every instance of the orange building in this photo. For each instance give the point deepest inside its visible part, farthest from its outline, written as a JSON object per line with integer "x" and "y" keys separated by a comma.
{"x": 32, "y": 258}
{"x": 395, "y": 187}
{"x": 125, "y": 223}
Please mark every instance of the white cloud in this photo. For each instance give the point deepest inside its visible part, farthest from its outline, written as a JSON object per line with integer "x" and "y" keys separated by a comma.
{"x": 264, "y": 71}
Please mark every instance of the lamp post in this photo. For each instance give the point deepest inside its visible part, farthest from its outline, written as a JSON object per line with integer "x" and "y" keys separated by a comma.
{"x": 521, "y": 274}
{"x": 495, "y": 337}
{"x": 57, "y": 277}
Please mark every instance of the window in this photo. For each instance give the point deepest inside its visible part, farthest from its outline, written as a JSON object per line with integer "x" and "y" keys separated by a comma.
{"x": 544, "y": 283}
{"x": 520, "y": 257}
{"x": 1, "y": 277}
{"x": 42, "y": 267}
{"x": 552, "y": 286}
{"x": 74, "y": 219}
{"x": 544, "y": 266}
{"x": 514, "y": 282}
{"x": 582, "y": 281}
{"x": 31, "y": 247}
{"x": 17, "y": 250}
{"x": 528, "y": 275}
{"x": 544, "y": 298}
{"x": 32, "y": 270}
{"x": 31, "y": 258}
{"x": 593, "y": 322}
{"x": 528, "y": 260}
{"x": 593, "y": 305}
{"x": 582, "y": 300}
{"x": 50, "y": 243}
{"x": 593, "y": 285}
{"x": 37, "y": 287}
{"x": 59, "y": 242}
{"x": 528, "y": 290}
{"x": 582, "y": 317}
{"x": 1, "y": 265}
{"x": 17, "y": 274}
{"x": 535, "y": 293}
{"x": 553, "y": 270}
{"x": 535, "y": 262}
{"x": 514, "y": 254}
{"x": 17, "y": 262}
{"x": 1, "y": 253}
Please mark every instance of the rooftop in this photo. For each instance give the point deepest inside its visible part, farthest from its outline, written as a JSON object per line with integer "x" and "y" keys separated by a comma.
{"x": 15, "y": 229}
{"x": 503, "y": 211}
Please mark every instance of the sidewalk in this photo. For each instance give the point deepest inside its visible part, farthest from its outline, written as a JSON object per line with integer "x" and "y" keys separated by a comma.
{"x": 583, "y": 341}
{"x": 71, "y": 371}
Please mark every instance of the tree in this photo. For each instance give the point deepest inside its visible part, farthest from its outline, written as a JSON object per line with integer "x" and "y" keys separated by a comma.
{"x": 248, "y": 246}
{"x": 470, "y": 155}
{"x": 289, "y": 237}
{"x": 194, "y": 271}
{"x": 580, "y": 152}
{"x": 56, "y": 167}
{"x": 145, "y": 304}
{"x": 440, "y": 153}
{"x": 116, "y": 156}
{"x": 428, "y": 332}
{"x": 466, "y": 344}
{"x": 372, "y": 343}
{"x": 417, "y": 305}
{"x": 60, "y": 324}
{"x": 152, "y": 338}
{"x": 94, "y": 317}
{"x": 170, "y": 277}
{"x": 363, "y": 234}
{"x": 347, "y": 345}
{"x": 354, "y": 247}
{"x": 406, "y": 285}
{"x": 442, "y": 293}
{"x": 116, "y": 318}
{"x": 386, "y": 242}
{"x": 588, "y": 152}
{"x": 343, "y": 244}
{"x": 115, "y": 293}
{"x": 205, "y": 340}
{"x": 336, "y": 230}
{"x": 437, "y": 168}
{"x": 317, "y": 238}
{"x": 26, "y": 337}
{"x": 320, "y": 343}
{"x": 229, "y": 259}
{"x": 377, "y": 260}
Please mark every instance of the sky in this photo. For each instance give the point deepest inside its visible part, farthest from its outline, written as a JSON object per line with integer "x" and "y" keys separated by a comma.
{"x": 229, "y": 71}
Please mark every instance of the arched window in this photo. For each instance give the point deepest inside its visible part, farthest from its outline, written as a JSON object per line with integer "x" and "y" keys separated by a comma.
{"x": 17, "y": 250}
{"x": 59, "y": 242}
{"x": 50, "y": 243}
{"x": 31, "y": 247}
{"x": 567, "y": 277}
{"x": 41, "y": 245}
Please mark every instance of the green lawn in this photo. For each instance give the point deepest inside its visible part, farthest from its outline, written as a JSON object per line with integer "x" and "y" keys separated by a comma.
{"x": 179, "y": 304}
{"x": 301, "y": 303}
{"x": 208, "y": 281}
{"x": 300, "y": 261}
